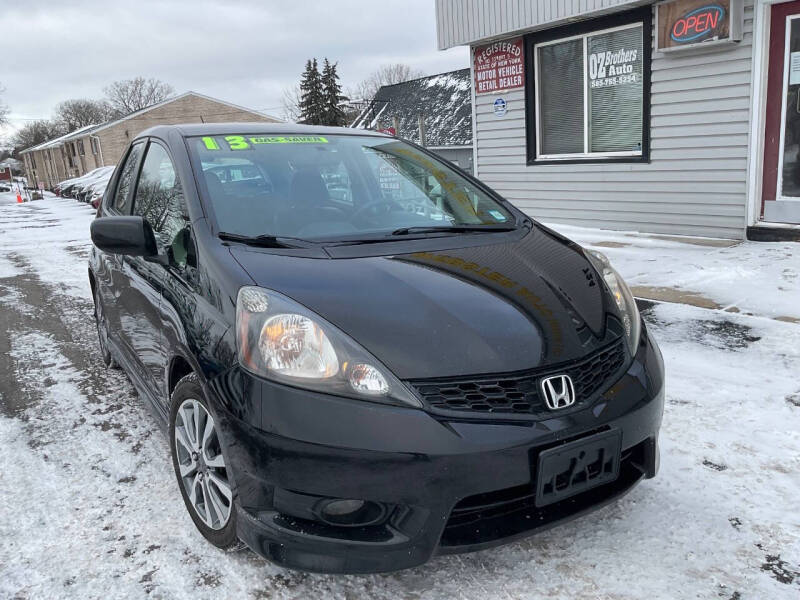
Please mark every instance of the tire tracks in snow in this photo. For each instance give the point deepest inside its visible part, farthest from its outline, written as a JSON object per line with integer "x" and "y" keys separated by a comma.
{"x": 92, "y": 462}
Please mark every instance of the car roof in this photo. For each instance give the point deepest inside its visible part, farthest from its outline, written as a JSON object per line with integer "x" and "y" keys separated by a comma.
{"x": 253, "y": 128}
{"x": 88, "y": 175}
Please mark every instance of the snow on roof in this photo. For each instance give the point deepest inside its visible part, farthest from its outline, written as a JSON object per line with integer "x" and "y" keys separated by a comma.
{"x": 445, "y": 100}
{"x": 58, "y": 140}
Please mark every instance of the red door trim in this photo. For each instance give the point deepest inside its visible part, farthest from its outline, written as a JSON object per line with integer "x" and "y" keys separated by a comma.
{"x": 772, "y": 127}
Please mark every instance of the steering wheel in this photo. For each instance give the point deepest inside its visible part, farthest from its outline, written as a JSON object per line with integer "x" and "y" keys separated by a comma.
{"x": 370, "y": 206}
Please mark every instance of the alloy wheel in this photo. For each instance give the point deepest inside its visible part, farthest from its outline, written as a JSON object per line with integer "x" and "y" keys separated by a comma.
{"x": 202, "y": 467}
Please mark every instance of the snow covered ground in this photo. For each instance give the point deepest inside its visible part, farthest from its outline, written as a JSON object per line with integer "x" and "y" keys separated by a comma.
{"x": 757, "y": 278}
{"x": 89, "y": 506}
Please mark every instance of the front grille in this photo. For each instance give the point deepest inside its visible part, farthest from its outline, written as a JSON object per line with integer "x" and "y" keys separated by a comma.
{"x": 519, "y": 393}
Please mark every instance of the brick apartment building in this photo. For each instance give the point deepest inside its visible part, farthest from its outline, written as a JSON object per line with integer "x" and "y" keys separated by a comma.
{"x": 94, "y": 146}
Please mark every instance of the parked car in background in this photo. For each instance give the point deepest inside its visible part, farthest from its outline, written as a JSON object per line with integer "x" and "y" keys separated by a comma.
{"x": 70, "y": 187}
{"x": 61, "y": 186}
{"x": 65, "y": 187}
{"x": 81, "y": 190}
{"x": 349, "y": 384}
{"x": 96, "y": 191}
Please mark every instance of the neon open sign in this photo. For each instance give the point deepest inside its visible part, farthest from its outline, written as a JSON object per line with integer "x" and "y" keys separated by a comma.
{"x": 697, "y": 23}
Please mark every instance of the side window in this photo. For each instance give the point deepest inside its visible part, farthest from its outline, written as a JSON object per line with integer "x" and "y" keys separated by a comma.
{"x": 121, "y": 202}
{"x": 159, "y": 199}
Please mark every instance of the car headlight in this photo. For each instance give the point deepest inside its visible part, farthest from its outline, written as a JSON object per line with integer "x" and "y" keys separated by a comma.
{"x": 622, "y": 295}
{"x": 281, "y": 340}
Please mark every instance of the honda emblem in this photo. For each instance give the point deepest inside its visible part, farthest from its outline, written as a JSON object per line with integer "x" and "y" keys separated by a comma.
{"x": 558, "y": 391}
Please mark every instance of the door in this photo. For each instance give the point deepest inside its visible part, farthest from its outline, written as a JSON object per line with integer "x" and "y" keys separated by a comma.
{"x": 158, "y": 198}
{"x": 781, "y": 182}
{"x": 112, "y": 283}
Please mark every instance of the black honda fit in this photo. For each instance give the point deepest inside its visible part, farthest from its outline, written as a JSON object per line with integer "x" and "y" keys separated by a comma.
{"x": 363, "y": 356}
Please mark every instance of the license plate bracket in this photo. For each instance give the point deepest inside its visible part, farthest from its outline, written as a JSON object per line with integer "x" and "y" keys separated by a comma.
{"x": 575, "y": 467}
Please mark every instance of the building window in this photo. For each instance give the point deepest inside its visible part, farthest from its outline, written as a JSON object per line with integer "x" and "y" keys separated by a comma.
{"x": 95, "y": 146}
{"x": 81, "y": 149}
{"x": 590, "y": 96}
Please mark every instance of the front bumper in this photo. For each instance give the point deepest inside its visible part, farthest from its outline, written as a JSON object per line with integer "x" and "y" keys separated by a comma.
{"x": 447, "y": 486}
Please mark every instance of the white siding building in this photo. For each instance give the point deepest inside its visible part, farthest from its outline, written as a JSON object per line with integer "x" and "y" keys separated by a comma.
{"x": 676, "y": 117}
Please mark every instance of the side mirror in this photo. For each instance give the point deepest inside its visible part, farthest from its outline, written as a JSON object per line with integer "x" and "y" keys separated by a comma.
{"x": 129, "y": 236}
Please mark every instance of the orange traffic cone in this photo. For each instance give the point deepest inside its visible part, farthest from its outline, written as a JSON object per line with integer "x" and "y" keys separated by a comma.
{"x": 19, "y": 198}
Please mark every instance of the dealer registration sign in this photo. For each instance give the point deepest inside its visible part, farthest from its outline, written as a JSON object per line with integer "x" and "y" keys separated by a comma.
{"x": 499, "y": 66}
{"x": 690, "y": 23}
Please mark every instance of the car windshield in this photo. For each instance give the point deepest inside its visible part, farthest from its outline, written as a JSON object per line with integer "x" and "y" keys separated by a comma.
{"x": 333, "y": 187}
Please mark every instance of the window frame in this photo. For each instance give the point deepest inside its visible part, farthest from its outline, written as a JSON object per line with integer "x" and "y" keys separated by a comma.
{"x": 110, "y": 199}
{"x": 617, "y": 22}
{"x": 135, "y": 187}
{"x": 150, "y": 142}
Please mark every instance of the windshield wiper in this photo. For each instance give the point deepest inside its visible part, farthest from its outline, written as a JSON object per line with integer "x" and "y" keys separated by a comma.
{"x": 265, "y": 241}
{"x": 418, "y": 233}
{"x": 452, "y": 229}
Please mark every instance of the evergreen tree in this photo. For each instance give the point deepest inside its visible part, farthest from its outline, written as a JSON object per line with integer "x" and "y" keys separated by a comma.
{"x": 311, "y": 95}
{"x": 332, "y": 97}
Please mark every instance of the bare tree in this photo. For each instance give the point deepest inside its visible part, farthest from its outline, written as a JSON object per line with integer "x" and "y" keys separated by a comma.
{"x": 74, "y": 114}
{"x": 291, "y": 103}
{"x": 129, "y": 95}
{"x": 384, "y": 75}
{"x": 3, "y": 109}
{"x": 36, "y": 132}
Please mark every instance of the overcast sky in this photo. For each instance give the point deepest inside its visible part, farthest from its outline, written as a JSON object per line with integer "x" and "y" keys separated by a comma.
{"x": 242, "y": 52}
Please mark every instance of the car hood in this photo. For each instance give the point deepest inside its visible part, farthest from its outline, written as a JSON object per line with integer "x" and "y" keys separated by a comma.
{"x": 457, "y": 311}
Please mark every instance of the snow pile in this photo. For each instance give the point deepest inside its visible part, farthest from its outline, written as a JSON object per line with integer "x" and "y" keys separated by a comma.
{"x": 754, "y": 277}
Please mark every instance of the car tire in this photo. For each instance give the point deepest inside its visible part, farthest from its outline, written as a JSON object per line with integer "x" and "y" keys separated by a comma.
{"x": 102, "y": 333}
{"x": 200, "y": 468}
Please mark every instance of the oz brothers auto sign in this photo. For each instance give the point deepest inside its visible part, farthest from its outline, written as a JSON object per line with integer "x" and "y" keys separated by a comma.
{"x": 683, "y": 23}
